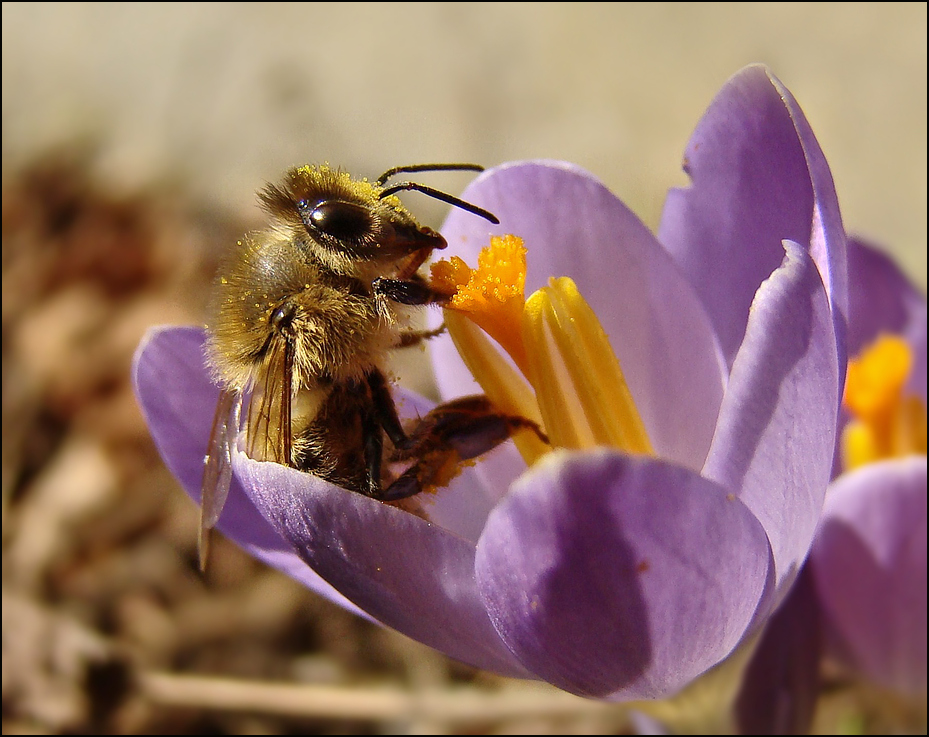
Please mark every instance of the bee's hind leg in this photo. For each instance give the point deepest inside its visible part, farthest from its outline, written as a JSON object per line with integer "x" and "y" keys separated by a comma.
{"x": 452, "y": 433}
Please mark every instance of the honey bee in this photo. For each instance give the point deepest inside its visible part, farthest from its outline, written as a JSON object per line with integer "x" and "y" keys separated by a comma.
{"x": 303, "y": 317}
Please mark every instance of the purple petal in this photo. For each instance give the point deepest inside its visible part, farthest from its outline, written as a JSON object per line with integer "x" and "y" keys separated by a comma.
{"x": 869, "y": 561}
{"x": 883, "y": 300}
{"x": 780, "y": 686}
{"x": 777, "y": 425}
{"x": 408, "y": 573}
{"x": 828, "y": 244}
{"x": 618, "y": 576}
{"x": 758, "y": 177}
{"x": 178, "y": 401}
{"x": 574, "y": 226}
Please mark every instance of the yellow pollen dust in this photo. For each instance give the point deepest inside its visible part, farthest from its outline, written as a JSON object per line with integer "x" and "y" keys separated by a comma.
{"x": 492, "y": 295}
{"x": 887, "y": 423}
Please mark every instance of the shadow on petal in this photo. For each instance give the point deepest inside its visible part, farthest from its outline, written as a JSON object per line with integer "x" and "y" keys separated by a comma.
{"x": 620, "y": 577}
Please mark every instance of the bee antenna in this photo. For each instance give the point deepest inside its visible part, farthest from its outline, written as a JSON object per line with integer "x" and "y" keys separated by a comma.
{"x": 440, "y": 195}
{"x": 426, "y": 167}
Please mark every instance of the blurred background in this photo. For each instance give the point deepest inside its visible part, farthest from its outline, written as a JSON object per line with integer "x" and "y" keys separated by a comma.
{"x": 134, "y": 138}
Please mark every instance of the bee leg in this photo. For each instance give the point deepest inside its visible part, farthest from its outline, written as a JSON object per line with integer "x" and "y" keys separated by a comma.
{"x": 414, "y": 337}
{"x": 413, "y": 291}
{"x": 384, "y": 409}
{"x": 373, "y": 454}
{"x": 450, "y": 434}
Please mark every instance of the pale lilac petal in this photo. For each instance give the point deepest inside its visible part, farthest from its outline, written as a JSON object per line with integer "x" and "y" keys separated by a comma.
{"x": 828, "y": 243}
{"x": 758, "y": 178}
{"x": 574, "y": 226}
{"x": 777, "y": 425}
{"x": 869, "y": 561}
{"x": 883, "y": 300}
{"x": 620, "y": 577}
{"x": 408, "y": 573}
{"x": 178, "y": 401}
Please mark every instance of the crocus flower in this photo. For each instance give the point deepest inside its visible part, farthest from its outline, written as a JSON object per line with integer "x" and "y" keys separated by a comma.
{"x": 869, "y": 557}
{"x": 611, "y": 567}
{"x": 863, "y": 596}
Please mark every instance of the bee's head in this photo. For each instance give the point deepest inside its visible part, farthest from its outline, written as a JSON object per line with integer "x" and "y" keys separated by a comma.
{"x": 343, "y": 221}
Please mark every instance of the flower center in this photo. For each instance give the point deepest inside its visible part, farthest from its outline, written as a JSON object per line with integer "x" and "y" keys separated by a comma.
{"x": 492, "y": 295}
{"x": 567, "y": 378}
{"x": 887, "y": 422}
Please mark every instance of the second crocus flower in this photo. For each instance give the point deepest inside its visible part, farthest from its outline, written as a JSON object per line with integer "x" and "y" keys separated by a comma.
{"x": 861, "y": 603}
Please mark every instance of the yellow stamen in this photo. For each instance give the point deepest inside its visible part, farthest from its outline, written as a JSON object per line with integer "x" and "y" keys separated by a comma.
{"x": 555, "y": 339}
{"x": 579, "y": 383}
{"x": 887, "y": 423}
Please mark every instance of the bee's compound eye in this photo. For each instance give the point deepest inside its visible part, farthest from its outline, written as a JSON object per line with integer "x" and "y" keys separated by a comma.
{"x": 342, "y": 220}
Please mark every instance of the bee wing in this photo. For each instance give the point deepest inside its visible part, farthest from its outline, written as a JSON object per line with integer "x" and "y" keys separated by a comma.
{"x": 270, "y": 431}
{"x": 217, "y": 470}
